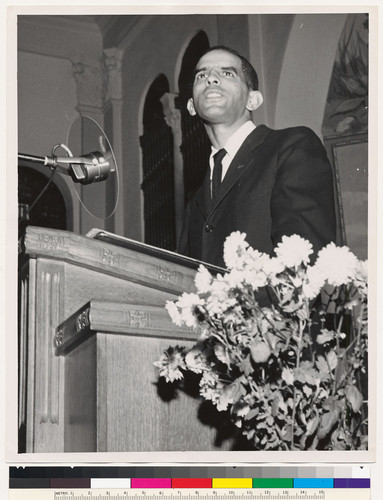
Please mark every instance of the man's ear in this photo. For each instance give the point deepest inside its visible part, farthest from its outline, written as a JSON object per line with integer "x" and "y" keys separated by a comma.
{"x": 254, "y": 100}
{"x": 191, "y": 108}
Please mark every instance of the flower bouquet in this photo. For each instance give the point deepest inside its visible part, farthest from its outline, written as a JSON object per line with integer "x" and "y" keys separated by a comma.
{"x": 283, "y": 345}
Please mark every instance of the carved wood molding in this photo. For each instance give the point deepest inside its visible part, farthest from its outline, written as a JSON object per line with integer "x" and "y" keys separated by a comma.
{"x": 118, "y": 318}
{"x": 133, "y": 265}
{"x": 47, "y": 318}
{"x": 45, "y": 369}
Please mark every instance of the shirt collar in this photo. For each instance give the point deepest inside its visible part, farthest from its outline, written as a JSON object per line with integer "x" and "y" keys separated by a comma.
{"x": 236, "y": 140}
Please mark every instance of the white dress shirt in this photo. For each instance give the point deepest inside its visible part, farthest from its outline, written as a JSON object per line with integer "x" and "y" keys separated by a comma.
{"x": 231, "y": 147}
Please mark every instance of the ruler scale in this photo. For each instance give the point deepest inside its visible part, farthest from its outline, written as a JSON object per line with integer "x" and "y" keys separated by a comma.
{"x": 211, "y": 494}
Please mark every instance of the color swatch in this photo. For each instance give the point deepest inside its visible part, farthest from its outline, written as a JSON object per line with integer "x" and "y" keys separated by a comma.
{"x": 184, "y": 477}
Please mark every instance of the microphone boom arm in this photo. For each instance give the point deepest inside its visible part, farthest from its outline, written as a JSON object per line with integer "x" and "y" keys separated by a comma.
{"x": 92, "y": 167}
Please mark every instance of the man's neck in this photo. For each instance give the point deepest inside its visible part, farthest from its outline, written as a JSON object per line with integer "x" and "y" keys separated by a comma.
{"x": 219, "y": 134}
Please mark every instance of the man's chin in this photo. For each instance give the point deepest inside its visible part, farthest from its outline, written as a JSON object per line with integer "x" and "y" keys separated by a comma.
{"x": 213, "y": 114}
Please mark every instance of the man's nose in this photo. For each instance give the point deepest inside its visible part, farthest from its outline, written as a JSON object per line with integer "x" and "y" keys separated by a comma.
{"x": 213, "y": 77}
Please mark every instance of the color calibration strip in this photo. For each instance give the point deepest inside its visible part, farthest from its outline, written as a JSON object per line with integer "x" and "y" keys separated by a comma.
{"x": 196, "y": 478}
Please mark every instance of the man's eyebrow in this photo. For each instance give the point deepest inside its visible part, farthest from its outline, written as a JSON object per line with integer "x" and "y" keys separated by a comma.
{"x": 222, "y": 68}
{"x": 198, "y": 70}
{"x": 230, "y": 68}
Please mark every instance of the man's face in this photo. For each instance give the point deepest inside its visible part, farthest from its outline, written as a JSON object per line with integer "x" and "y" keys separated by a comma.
{"x": 220, "y": 93}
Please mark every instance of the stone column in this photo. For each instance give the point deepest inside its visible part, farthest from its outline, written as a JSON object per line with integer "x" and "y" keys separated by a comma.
{"x": 173, "y": 120}
{"x": 113, "y": 115}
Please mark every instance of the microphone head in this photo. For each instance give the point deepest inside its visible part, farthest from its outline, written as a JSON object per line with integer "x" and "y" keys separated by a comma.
{"x": 95, "y": 168}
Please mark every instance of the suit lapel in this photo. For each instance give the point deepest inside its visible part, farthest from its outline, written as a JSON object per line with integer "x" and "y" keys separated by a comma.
{"x": 243, "y": 160}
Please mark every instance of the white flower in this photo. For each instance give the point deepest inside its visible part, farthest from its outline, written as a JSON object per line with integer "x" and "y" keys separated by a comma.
{"x": 294, "y": 250}
{"x": 171, "y": 363}
{"x": 188, "y": 302}
{"x": 219, "y": 301}
{"x": 314, "y": 282}
{"x": 210, "y": 387}
{"x": 174, "y": 312}
{"x": 203, "y": 279}
{"x": 250, "y": 259}
{"x": 256, "y": 279}
{"x": 272, "y": 266}
{"x": 234, "y": 247}
{"x": 235, "y": 278}
{"x": 337, "y": 264}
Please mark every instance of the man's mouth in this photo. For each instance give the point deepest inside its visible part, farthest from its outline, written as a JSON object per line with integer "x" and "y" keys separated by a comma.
{"x": 213, "y": 94}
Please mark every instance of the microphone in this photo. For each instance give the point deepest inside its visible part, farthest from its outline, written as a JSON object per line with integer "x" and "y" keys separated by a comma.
{"x": 92, "y": 167}
{"x": 86, "y": 169}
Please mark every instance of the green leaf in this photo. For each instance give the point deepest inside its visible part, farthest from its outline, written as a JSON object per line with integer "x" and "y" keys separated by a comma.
{"x": 288, "y": 433}
{"x": 354, "y": 397}
{"x": 252, "y": 414}
{"x": 300, "y": 375}
{"x": 312, "y": 425}
{"x": 307, "y": 390}
{"x": 325, "y": 336}
{"x": 234, "y": 391}
{"x": 287, "y": 376}
{"x": 327, "y": 422}
{"x": 278, "y": 398}
{"x": 323, "y": 367}
{"x": 332, "y": 359}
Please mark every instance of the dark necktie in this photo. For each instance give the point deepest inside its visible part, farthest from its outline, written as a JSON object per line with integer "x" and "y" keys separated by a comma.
{"x": 217, "y": 172}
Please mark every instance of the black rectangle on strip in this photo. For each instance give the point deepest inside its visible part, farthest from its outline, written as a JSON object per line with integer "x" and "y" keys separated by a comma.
{"x": 29, "y": 483}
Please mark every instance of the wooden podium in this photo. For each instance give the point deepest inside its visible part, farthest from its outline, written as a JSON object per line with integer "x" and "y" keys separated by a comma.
{"x": 92, "y": 323}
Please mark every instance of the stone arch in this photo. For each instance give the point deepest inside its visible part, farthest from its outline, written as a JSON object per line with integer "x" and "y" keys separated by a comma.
{"x": 195, "y": 147}
{"x": 198, "y": 44}
{"x": 157, "y": 169}
{"x": 55, "y": 209}
{"x": 153, "y": 110}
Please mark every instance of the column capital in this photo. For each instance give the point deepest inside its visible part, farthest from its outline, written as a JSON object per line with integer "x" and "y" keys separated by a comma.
{"x": 172, "y": 114}
{"x": 112, "y": 64}
{"x": 90, "y": 83}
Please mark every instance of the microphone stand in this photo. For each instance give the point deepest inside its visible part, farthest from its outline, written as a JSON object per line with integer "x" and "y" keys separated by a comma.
{"x": 86, "y": 169}
{"x": 35, "y": 159}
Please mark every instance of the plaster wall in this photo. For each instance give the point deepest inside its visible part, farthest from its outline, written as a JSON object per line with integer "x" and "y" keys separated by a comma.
{"x": 306, "y": 70}
{"x": 268, "y": 36}
{"x": 46, "y": 102}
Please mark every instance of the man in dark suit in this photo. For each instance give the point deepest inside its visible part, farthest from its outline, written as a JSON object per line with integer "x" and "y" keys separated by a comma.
{"x": 270, "y": 182}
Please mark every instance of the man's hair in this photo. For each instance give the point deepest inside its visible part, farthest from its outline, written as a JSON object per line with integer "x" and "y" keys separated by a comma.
{"x": 251, "y": 77}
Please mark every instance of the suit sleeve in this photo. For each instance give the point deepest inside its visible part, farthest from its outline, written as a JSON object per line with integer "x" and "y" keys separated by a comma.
{"x": 303, "y": 194}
